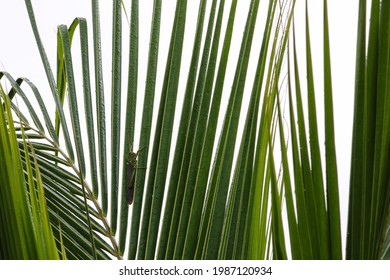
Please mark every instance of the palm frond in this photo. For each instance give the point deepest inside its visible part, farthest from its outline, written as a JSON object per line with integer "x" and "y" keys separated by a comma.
{"x": 189, "y": 176}
{"x": 369, "y": 184}
{"x": 25, "y": 231}
{"x": 312, "y": 201}
{"x": 195, "y": 197}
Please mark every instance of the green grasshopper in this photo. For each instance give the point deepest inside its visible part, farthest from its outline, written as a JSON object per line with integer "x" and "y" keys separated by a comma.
{"x": 131, "y": 168}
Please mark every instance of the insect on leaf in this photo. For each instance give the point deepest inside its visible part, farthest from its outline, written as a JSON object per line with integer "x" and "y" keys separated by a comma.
{"x": 130, "y": 176}
{"x": 131, "y": 168}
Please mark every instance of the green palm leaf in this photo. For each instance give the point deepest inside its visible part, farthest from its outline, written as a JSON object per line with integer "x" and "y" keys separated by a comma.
{"x": 185, "y": 206}
{"x": 25, "y": 232}
{"x": 369, "y": 193}
{"x": 71, "y": 175}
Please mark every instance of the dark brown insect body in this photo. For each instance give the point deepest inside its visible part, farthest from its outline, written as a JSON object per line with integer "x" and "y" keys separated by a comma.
{"x": 131, "y": 167}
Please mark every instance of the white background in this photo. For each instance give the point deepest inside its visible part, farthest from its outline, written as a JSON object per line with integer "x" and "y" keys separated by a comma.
{"x": 281, "y": 270}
